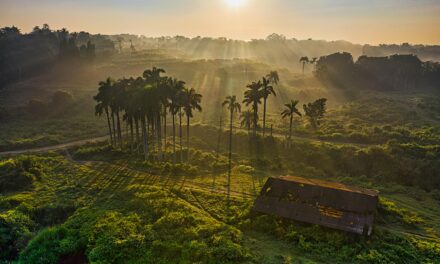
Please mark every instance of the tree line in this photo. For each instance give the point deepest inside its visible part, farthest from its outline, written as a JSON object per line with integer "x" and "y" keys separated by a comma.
{"x": 396, "y": 72}
{"x": 24, "y": 55}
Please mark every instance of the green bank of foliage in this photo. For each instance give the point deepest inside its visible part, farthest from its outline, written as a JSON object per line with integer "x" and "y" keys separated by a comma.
{"x": 77, "y": 213}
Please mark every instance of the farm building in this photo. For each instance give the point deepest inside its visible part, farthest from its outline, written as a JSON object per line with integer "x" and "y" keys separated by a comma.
{"x": 329, "y": 204}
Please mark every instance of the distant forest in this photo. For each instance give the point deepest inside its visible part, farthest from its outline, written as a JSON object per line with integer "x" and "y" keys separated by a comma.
{"x": 395, "y": 72}
{"x": 24, "y": 55}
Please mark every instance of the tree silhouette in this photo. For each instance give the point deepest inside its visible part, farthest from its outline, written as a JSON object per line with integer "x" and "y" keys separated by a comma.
{"x": 304, "y": 60}
{"x": 103, "y": 98}
{"x": 191, "y": 101}
{"x": 289, "y": 111}
{"x": 176, "y": 87}
{"x": 267, "y": 90}
{"x": 252, "y": 96}
{"x": 273, "y": 77}
{"x": 233, "y": 106}
{"x": 315, "y": 111}
{"x": 246, "y": 118}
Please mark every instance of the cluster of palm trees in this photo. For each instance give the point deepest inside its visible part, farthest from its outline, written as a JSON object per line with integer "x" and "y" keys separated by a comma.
{"x": 304, "y": 60}
{"x": 144, "y": 103}
{"x": 257, "y": 91}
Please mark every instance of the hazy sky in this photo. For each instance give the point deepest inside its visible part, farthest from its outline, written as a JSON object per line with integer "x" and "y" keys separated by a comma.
{"x": 359, "y": 21}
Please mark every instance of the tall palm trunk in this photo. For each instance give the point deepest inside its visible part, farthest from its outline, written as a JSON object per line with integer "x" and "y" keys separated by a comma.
{"x": 136, "y": 124}
{"x": 230, "y": 155}
{"x": 119, "y": 129}
{"x": 264, "y": 117}
{"x": 255, "y": 118}
{"x": 180, "y": 134}
{"x": 290, "y": 129}
{"x": 109, "y": 126}
{"x": 144, "y": 137}
{"x": 174, "y": 138}
{"x": 187, "y": 137}
{"x": 153, "y": 134}
{"x": 159, "y": 137}
{"x": 165, "y": 129}
{"x": 114, "y": 128}
{"x": 219, "y": 139}
{"x": 131, "y": 134}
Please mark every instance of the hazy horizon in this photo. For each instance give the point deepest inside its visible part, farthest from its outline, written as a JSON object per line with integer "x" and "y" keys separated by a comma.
{"x": 375, "y": 22}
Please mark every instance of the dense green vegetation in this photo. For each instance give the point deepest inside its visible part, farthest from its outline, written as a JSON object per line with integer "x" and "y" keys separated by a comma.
{"x": 127, "y": 212}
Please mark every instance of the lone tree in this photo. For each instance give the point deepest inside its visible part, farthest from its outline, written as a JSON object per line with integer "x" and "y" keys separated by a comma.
{"x": 304, "y": 60}
{"x": 289, "y": 111}
{"x": 273, "y": 77}
{"x": 315, "y": 111}
{"x": 233, "y": 106}
{"x": 246, "y": 120}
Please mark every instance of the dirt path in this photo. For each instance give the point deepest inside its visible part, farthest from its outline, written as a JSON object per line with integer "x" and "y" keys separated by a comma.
{"x": 54, "y": 147}
{"x": 104, "y": 138}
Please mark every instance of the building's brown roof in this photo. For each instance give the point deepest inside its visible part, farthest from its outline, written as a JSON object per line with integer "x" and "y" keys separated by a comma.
{"x": 330, "y": 185}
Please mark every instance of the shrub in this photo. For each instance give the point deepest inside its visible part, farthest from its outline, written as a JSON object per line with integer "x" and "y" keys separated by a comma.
{"x": 50, "y": 244}
{"x": 62, "y": 99}
{"x": 390, "y": 212}
{"x": 18, "y": 174}
{"x": 36, "y": 107}
{"x": 16, "y": 230}
{"x": 118, "y": 239}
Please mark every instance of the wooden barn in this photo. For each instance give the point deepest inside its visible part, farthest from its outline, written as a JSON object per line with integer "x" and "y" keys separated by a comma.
{"x": 329, "y": 204}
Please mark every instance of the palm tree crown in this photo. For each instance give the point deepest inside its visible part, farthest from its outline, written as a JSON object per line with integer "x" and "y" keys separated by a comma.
{"x": 232, "y": 104}
{"x": 273, "y": 77}
{"x": 253, "y": 96}
{"x": 291, "y": 109}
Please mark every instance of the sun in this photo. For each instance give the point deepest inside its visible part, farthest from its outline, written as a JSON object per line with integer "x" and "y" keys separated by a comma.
{"x": 235, "y": 3}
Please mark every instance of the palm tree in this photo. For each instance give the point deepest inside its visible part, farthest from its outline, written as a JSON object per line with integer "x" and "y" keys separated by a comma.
{"x": 246, "y": 120}
{"x": 153, "y": 75}
{"x": 191, "y": 102}
{"x": 253, "y": 96}
{"x": 266, "y": 91}
{"x": 233, "y": 106}
{"x": 290, "y": 111}
{"x": 304, "y": 60}
{"x": 176, "y": 87}
{"x": 117, "y": 104}
{"x": 103, "y": 99}
{"x": 273, "y": 77}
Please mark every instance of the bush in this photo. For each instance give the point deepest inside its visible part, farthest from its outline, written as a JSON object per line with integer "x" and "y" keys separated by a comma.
{"x": 16, "y": 229}
{"x": 36, "y": 107}
{"x": 62, "y": 99}
{"x": 389, "y": 212}
{"x": 50, "y": 244}
{"x": 18, "y": 174}
{"x": 118, "y": 239}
